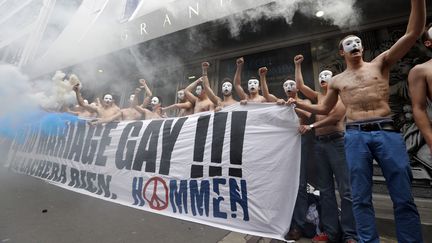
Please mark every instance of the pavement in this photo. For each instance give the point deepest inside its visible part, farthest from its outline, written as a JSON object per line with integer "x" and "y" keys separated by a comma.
{"x": 35, "y": 211}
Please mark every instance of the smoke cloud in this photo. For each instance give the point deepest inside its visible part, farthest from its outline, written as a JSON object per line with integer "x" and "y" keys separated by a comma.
{"x": 341, "y": 13}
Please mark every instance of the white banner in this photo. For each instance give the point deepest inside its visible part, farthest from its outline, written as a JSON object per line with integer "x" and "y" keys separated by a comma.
{"x": 237, "y": 169}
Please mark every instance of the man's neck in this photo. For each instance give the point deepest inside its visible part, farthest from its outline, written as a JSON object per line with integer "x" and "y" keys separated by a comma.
{"x": 254, "y": 95}
{"x": 228, "y": 97}
{"x": 202, "y": 97}
{"x": 324, "y": 91}
{"x": 354, "y": 64}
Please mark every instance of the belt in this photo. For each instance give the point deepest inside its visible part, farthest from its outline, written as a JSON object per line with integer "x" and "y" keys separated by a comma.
{"x": 373, "y": 126}
{"x": 331, "y": 136}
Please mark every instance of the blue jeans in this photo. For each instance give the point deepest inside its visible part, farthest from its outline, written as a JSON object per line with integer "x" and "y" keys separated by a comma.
{"x": 301, "y": 206}
{"x": 388, "y": 149}
{"x": 331, "y": 154}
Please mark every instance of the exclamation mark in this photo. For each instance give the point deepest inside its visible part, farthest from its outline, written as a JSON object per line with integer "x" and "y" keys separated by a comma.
{"x": 219, "y": 126}
{"x": 200, "y": 140}
{"x": 238, "y": 125}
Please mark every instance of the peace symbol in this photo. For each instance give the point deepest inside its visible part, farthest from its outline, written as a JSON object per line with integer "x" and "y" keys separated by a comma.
{"x": 150, "y": 193}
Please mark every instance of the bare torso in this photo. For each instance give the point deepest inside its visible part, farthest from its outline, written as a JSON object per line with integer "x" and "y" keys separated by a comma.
{"x": 203, "y": 105}
{"x": 364, "y": 91}
{"x": 130, "y": 114}
{"x": 338, "y": 127}
{"x": 186, "y": 112}
{"x": 426, "y": 70}
{"x": 256, "y": 98}
{"x": 107, "y": 111}
{"x": 227, "y": 101}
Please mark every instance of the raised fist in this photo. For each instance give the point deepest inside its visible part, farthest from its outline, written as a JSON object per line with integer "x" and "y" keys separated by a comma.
{"x": 298, "y": 59}
{"x": 76, "y": 87}
{"x": 240, "y": 61}
{"x": 205, "y": 65}
{"x": 262, "y": 71}
{"x": 143, "y": 82}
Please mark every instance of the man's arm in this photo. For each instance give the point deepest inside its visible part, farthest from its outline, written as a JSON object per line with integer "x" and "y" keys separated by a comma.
{"x": 303, "y": 114}
{"x": 264, "y": 88}
{"x": 189, "y": 91}
{"x": 333, "y": 118}
{"x": 148, "y": 94}
{"x": 216, "y": 100}
{"x": 117, "y": 116}
{"x": 80, "y": 100}
{"x": 416, "y": 24}
{"x": 418, "y": 89}
{"x": 237, "y": 79}
{"x": 324, "y": 108}
{"x": 185, "y": 105}
{"x": 308, "y": 92}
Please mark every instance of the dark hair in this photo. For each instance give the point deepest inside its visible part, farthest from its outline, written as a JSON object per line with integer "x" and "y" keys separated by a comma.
{"x": 160, "y": 99}
{"x": 107, "y": 94}
{"x": 425, "y": 36}
{"x": 226, "y": 80}
{"x": 340, "y": 42}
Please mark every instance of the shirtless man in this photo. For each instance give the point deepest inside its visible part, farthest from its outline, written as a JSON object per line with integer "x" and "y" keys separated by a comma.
{"x": 107, "y": 108}
{"x": 155, "y": 103}
{"x": 420, "y": 88}
{"x": 253, "y": 86}
{"x": 370, "y": 133}
{"x": 79, "y": 111}
{"x": 201, "y": 102}
{"x": 329, "y": 148}
{"x": 185, "y": 106}
{"x": 226, "y": 90}
{"x": 298, "y": 221}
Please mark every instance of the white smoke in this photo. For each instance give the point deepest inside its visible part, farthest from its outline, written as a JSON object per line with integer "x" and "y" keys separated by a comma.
{"x": 19, "y": 93}
{"x": 341, "y": 13}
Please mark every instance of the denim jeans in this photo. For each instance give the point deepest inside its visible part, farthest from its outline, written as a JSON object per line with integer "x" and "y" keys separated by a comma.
{"x": 331, "y": 161}
{"x": 301, "y": 206}
{"x": 388, "y": 149}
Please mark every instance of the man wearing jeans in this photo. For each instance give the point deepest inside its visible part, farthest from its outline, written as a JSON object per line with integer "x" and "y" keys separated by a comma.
{"x": 329, "y": 132}
{"x": 370, "y": 134}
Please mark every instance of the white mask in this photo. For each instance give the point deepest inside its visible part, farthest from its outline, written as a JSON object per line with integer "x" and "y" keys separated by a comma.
{"x": 352, "y": 43}
{"x": 226, "y": 88}
{"x": 180, "y": 95}
{"x": 253, "y": 84}
{"x": 198, "y": 90}
{"x": 108, "y": 99}
{"x": 131, "y": 98}
{"x": 325, "y": 76}
{"x": 290, "y": 86}
{"x": 155, "y": 101}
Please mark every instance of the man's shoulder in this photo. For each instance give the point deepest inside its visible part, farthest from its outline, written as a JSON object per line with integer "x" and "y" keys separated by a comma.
{"x": 421, "y": 69}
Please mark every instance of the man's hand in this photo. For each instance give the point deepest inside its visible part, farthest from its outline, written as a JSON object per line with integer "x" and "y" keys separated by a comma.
{"x": 143, "y": 83}
{"x": 280, "y": 102}
{"x": 243, "y": 102}
{"x": 298, "y": 59}
{"x": 262, "y": 71}
{"x": 205, "y": 66}
{"x": 76, "y": 88}
{"x": 291, "y": 101}
{"x": 240, "y": 61}
{"x": 94, "y": 122}
{"x": 304, "y": 129}
{"x": 199, "y": 81}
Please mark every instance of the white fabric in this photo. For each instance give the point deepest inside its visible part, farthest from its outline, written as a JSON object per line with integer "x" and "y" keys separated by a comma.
{"x": 269, "y": 169}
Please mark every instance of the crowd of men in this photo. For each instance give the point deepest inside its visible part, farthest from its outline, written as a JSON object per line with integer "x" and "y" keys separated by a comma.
{"x": 352, "y": 126}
